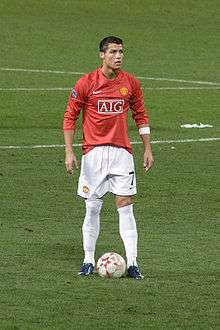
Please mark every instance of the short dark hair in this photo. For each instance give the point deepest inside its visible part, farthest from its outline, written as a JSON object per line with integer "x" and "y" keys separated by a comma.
{"x": 109, "y": 40}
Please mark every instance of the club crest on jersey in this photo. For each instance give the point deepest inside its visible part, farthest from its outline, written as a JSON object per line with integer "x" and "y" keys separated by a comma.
{"x": 74, "y": 93}
{"x": 85, "y": 189}
{"x": 107, "y": 107}
{"x": 124, "y": 91}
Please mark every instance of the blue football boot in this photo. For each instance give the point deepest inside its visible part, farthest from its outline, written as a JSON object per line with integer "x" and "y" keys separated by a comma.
{"x": 86, "y": 269}
{"x": 134, "y": 272}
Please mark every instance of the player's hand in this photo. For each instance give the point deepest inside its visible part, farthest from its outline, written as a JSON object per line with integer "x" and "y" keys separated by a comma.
{"x": 148, "y": 160}
{"x": 70, "y": 161}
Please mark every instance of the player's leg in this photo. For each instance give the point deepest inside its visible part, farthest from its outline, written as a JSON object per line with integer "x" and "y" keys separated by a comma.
{"x": 90, "y": 230}
{"x": 128, "y": 232}
{"x": 92, "y": 186}
{"x": 127, "y": 227}
{"x": 122, "y": 183}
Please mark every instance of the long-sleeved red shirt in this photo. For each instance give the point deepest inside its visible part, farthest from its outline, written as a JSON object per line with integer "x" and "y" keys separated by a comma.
{"x": 105, "y": 104}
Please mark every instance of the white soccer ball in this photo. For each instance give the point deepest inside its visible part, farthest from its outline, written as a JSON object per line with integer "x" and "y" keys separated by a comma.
{"x": 111, "y": 265}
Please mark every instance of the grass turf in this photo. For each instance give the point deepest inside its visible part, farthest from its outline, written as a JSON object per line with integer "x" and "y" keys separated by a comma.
{"x": 177, "y": 203}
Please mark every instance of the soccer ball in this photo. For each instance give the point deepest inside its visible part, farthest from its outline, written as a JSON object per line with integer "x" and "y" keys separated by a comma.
{"x": 111, "y": 265}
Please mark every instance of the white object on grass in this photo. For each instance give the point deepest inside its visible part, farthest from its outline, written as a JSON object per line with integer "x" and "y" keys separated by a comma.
{"x": 195, "y": 125}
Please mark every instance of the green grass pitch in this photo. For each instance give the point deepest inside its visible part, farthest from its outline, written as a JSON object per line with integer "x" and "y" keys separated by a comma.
{"x": 177, "y": 206}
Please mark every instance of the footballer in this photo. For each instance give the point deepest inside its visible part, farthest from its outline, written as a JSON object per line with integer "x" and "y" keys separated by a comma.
{"x": 104, "y": 97}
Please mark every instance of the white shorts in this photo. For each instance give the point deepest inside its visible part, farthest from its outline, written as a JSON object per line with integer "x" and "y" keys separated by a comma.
{"x": 107, "y": 169}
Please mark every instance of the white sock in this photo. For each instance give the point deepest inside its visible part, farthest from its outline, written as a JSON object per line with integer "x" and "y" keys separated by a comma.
{"x": 128, "y": 232}
{"x": 90, "y": 228}
{"x": 89, "y": 257}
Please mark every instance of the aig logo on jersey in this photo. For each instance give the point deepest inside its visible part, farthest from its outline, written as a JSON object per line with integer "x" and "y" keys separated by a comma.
{"x": 107, "y": 107}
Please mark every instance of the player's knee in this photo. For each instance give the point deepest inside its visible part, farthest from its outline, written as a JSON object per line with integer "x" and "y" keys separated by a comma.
{"x": 91, "y": 222}
{"x": 122, "y": 201}
{"x": 93, "y": 207}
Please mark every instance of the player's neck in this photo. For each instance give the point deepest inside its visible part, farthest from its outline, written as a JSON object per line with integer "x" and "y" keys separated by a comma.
{"x": 110, "y": 73}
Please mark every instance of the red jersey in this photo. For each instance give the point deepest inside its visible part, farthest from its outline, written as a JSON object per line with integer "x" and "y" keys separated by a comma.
{"x": 105, "y": 104}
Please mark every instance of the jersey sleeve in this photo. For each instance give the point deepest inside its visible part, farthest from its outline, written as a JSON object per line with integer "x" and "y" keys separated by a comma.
{"x": 75, "y": 104}
{"x": 139, "y": 113}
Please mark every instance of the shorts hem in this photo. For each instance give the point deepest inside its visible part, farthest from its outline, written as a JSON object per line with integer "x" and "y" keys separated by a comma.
{"x": 123, "y": 193}
{"x": 95, "y": 195}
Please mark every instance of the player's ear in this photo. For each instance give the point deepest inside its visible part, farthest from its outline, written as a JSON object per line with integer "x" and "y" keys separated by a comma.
{"x": 101, "y": 54}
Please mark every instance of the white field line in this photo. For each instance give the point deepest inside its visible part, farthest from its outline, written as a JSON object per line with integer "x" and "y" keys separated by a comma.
{"x": 43, "y": 71}
{"x": 33, "y": 89}
{"x": 182, "y": 88}
{"x": 182, "y": 81}
{"x": 139, "y": 77}
{"x": 53, "y": 89}
{"x": 134, "y": 142}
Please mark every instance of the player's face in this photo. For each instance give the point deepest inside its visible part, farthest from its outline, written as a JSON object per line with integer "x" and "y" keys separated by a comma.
{"x": 113, "y": 56}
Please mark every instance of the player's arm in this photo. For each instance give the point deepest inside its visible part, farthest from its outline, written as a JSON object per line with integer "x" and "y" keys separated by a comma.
{"x": 71, "y": 115}
{"x": 141, "y": 119}
{"x": 144, "y": 131}
{"x": 70, "y": 157}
